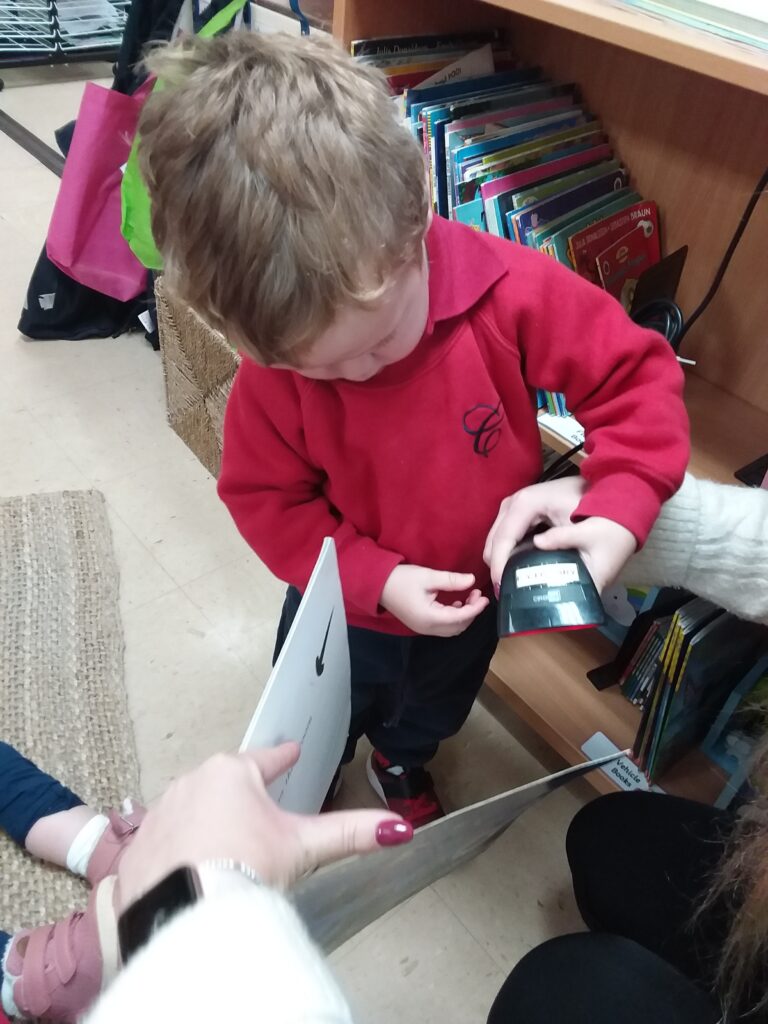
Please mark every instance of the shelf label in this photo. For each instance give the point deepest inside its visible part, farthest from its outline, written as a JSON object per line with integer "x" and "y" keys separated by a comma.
{"x": 623, "y": 772}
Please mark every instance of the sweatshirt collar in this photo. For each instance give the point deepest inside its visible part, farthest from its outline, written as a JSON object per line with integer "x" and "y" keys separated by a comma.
{"x": 459, "y": 274}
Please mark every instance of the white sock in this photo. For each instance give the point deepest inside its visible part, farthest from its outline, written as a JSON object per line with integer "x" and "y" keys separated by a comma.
{"x": 6, "y": 995}
{"x": 84, "y": 843}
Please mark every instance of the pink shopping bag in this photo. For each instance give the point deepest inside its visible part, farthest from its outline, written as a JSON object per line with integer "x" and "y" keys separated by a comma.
{"x": 84, "y": 237}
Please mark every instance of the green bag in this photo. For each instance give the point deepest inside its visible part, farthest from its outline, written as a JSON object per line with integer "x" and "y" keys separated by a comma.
{"x": 136, "y": 224}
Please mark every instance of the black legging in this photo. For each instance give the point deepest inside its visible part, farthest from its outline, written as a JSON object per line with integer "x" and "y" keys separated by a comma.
{"x": 640, "y": 864}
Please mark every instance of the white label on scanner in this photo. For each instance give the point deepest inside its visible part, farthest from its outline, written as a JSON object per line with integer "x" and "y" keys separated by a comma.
{"x": 557, "y": 575}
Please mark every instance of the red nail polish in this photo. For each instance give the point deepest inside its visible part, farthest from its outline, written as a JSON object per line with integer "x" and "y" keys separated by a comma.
{"x": 393, "y": 833}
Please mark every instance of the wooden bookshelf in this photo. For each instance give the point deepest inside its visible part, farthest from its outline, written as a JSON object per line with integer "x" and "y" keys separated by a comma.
{"x": 544, "y": 681}
{"x": 726, "y": 432}
{"x": 686, "y": 112}
{"x": 601, "y": 20}
{"x": 645, "y": 34}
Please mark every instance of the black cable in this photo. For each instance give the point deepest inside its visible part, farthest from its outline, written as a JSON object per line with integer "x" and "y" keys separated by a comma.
{"x": 550, "y": 472}
{"x": 720, "y": 273}
{"x": 664, "y": 316}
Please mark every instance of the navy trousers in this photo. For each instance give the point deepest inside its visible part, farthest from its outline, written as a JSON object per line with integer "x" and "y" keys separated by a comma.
{"x": 409, "y": 692}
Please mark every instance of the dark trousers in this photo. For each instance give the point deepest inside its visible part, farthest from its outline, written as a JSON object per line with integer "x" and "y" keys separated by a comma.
{"x": 641, "y": 865}
{"x": 409, "y": 693}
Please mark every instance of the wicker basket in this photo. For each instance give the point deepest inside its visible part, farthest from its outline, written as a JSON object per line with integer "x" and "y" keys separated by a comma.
{"x": 199, "y": 367}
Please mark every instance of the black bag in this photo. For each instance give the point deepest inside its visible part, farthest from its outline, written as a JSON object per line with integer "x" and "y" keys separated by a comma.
{"x": 58, "y": 307}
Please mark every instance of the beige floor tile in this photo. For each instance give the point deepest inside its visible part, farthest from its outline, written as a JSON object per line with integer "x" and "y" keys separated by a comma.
{"x": 142, "y": 578}
{"x": 481, "y": 761}
{"x": 517, "y": 893}
{"x": 173, "y": 508}
{"x": 45, "y": 99}
{"x": 110, "y": 429}
{"x": 21, "y": 171}
{"x": 189, "y": 696}
{"x": 45, "y": 373}
{"x": 32, "y": 216}
{"x": 30, "y": 461}
{"x": 17, "y": 261}
{"x": 242, "y": 602}
{"x": 53, "y": 74}
{"x": 419, "y": 965}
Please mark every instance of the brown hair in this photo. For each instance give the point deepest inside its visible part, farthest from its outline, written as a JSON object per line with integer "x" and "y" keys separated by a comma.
{"x": 283, "y": 186}
{"x": 741, "y": 885}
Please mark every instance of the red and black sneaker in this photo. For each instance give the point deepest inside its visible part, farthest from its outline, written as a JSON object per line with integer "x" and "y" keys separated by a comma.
{"x": 409, "y": 792}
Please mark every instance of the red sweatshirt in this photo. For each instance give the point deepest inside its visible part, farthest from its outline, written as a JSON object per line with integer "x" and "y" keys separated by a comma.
{"x": 412, "y": 465}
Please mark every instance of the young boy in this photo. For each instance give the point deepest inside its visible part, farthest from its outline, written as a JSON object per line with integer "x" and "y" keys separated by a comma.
{"x": 386, "y": 396}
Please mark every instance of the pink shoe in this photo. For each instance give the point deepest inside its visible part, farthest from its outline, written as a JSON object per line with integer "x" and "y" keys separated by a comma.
{"x": 56, "y": 971}
{"x": 117, "y": 837}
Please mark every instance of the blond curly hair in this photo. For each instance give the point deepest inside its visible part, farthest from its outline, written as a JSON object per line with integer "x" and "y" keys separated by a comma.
{"x": 283, "y": 186}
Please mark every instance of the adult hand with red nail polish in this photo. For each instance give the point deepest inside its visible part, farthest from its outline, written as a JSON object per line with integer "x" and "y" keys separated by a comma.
{"x": 222, "y": 811}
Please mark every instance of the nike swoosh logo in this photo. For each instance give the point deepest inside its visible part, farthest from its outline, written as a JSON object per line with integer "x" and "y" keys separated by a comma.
{"x": 319, "y": 660}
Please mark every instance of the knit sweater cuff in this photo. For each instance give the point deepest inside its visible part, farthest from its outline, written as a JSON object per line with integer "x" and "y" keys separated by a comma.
{"x": 244, "y": 956}
{"x": 665, "y": 559}
{"x": 711, "y": 539}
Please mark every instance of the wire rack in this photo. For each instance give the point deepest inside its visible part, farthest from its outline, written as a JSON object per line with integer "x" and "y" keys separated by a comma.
{"x": 42, "y": 31}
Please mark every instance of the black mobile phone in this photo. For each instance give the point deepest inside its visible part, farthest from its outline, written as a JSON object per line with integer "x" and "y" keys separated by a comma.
{"x": 139, "y": 922}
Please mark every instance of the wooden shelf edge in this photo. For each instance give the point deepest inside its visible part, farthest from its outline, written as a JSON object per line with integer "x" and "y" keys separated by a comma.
{"x": 652, "y": 36}
{"x": 560, "y": 661}
{"x": 726, "y": 432}
{"x": 598, "y": 780}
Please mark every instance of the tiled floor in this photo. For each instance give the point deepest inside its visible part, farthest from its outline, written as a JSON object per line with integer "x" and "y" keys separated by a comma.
{"x": 199, "y": 613}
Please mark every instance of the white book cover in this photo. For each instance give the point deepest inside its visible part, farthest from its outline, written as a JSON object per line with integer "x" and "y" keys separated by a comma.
{"x": 307, "y": 696}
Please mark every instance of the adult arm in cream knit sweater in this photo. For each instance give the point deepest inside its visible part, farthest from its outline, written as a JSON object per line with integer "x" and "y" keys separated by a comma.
{"x": 711, "y": 539}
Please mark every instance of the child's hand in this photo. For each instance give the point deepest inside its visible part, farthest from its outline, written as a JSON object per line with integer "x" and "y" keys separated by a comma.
{"x": 411, "y": 595}
{"x": 605, "y": 546}
{"x": 553, "y": 502}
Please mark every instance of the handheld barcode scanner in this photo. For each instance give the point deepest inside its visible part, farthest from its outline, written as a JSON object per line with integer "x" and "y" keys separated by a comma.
{"x": 542, "y": 590}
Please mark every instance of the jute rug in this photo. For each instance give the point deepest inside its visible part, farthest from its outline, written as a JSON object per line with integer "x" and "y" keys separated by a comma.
{"x": 61, "y": 675}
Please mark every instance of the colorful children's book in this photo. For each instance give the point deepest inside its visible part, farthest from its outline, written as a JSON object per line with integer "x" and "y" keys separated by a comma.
{"x": 520, "y": 130}
{"x": 402, "y": 45}
{"x": 616, "y": 202}
{"x": 558, "y": 231}
{"x": 448, "y": 136}
{"x": 493, "y": 190}
{"x": 440, "y": 142}
{"x": 508, "y": 102}
{"x": 471, "y": 214}
{"x": 620, "y": 265}
{"x": 720, "y": 655}
{"x": 585, "y": 246}
{"x": 552, "y": 186}
{"x": 485, "y": 169}
{"x": 691, "y": 623}
{"x": 547, "y": 170}
{"x": 531, "y": 155}
{"x": 485, "y": 83}
{"x": 521, "y": 222}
